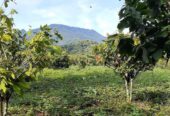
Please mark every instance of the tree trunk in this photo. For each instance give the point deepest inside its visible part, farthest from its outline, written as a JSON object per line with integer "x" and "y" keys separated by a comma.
{"x": 3, "y": 107}
{"x": 131, "y": 86}
{"x": 127, "y": 90}
{"x": 128, "y": 86}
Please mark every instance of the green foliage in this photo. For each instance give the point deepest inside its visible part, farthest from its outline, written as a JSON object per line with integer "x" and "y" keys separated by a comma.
{"x": 76, "y": 59}
{"x": 79, "y": 47}
{"x": 80, "y": 53}
{"x": 118, "y": 53}
{"x": 100, "y": 53}
{"x": 61, "y": 62}
{"x": 82, "y": 62}
{"x": 21, "y": 58}
{"x": 149, "y": 21}
{"x": 79, "y": 60}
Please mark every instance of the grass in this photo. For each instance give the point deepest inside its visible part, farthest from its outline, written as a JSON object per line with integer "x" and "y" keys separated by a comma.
{"x": 93, "y": 91}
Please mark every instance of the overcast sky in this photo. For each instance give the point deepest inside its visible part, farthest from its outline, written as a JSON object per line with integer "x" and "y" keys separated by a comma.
{"x": 100, "y": 15}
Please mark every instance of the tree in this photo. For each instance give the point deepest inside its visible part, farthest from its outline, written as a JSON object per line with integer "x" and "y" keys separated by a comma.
{"x": 119, "y": 56}
{"x": 100, "y": 52}
{"x": 148, "y": 20}
{"x": 61, "y": 62}
{"x": 149, "y": 40}
{"x": 21, "y": 58}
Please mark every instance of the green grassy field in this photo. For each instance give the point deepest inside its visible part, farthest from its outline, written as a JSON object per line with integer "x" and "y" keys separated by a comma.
{"x": 95, "y": 90}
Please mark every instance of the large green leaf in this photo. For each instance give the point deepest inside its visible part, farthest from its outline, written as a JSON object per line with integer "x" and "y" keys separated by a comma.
{"x": 6, "y": 38}
{"x": 17, "y": 89}
{"x": 3, "y": 87}
{"x": 157, "y": 55}
{"x": 145, "y": 55}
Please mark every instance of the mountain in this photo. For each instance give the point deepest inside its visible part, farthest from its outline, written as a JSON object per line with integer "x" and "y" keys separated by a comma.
{"x": 72, "y": 34}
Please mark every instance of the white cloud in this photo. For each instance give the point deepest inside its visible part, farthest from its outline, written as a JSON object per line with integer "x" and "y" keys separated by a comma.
{"x": 102, "y": 17}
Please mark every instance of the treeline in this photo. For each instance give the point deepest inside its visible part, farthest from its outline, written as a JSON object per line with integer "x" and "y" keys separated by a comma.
{"x": 79, "y": 47}
{"x": 79, "y": 53}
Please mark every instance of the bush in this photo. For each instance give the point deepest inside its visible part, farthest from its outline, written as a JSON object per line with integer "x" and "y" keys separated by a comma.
{"x": 62, "y": 62}
{"x": 82, "y": 63}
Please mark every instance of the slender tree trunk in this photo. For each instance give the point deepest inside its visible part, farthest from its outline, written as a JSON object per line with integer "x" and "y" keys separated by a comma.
{"x": 4, "y": 107}
{"x": 7, "y": 104}
{"x": 128, "y": 86}
{"x": 1, "y": 107}
{"x": 131, "y": 86}
{"x": 127, "y": 90}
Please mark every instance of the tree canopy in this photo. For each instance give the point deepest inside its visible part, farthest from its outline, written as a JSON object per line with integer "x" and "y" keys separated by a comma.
{"x": 148, "y": 39}
{"x": 21, "y": 58}
{"x": 147, "y": 20}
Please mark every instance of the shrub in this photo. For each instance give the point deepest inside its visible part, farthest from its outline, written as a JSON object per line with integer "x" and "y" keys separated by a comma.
{"x": 62, "y": 62}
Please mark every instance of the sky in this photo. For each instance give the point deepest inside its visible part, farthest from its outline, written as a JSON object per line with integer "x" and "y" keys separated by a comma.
{"x": 100, "y": 15}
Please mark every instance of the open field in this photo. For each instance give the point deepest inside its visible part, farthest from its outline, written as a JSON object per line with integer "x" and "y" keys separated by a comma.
{"x": 95, "y": 90}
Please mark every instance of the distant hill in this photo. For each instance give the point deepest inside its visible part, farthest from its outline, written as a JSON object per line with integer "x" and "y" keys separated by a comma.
{"x": 72, "y": 34}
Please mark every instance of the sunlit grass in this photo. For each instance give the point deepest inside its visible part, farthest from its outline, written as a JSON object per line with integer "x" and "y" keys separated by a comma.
{"x": 95, "y": 90}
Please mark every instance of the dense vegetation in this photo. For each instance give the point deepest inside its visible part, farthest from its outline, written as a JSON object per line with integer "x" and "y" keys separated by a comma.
{"x": 148, "y": 40}
{"x": 21, "y": 58}
{"x": 80, "y": 47}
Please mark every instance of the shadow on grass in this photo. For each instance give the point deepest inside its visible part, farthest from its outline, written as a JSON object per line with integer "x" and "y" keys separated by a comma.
{"x": 155, "y": 97}
{"x": 73, "y": 93}
{"x": 99, "y": 93}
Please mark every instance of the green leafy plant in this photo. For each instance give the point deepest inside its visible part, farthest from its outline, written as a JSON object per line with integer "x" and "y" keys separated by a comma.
{"x": 21, "y": 58}
{"x": 118, "y": 54}
{"x": 147, "y": 20}
{"x": 61, "y": 62}
{"x": 148, "y": 23}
